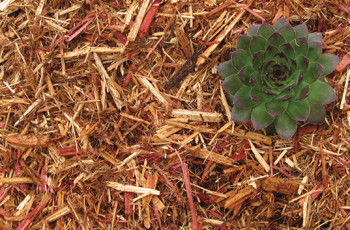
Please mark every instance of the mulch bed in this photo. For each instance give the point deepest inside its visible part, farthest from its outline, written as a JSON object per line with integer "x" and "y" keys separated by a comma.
{"x": 113, "y": 117}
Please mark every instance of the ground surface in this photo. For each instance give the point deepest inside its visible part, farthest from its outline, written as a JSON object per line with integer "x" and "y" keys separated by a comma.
{"x": 111, "y": 119}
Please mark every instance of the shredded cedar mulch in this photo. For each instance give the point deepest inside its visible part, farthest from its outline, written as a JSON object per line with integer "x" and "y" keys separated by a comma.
{"x": 113, "y": 117}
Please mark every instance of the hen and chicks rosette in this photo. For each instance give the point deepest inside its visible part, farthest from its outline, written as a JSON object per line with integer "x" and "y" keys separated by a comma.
{"x": 276, "y": 77}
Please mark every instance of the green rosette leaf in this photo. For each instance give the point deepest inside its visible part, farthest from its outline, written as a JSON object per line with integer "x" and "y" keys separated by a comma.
{"x": 276, "y": 77}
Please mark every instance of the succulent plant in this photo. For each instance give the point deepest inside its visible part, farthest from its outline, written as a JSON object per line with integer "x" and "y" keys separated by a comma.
{"x": 276, "y": 77}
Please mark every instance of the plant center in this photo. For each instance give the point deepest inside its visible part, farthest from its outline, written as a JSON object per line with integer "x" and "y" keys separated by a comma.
{"x": 277, "y": 72}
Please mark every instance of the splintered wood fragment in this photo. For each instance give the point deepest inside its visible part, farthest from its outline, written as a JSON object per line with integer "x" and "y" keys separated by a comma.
{"x": 254, "y": 13}
{"x": 259, "y": 157}
{"x": 280, "y": 156}
{"x": 131, "y": 117}
{"x": 68, "y": 10}
{"x": 345, "y": 61}
{"x": 185, "y": 83}
{"x": 85, "y": 51}
{"x": 55, "y": 26}
{"x": 343, "y": 99}
{"x": 189, "y": 193}
{"x": 213, "y": 221}
{"x": 79, "y": 31}
{"x": 302, "y": 185}
{"x": 147, "y": 21}
{"x": 28, "y": 140}
{"x": 131, "y": 188}
{"x": 342, "y": 7}
{"x": 16, "y": 180}
{"x": 324, "y": 150}
{"x": 30, "y": 217}
{"x": 72, "y": 122}
{"x": 278, "y": 14}
{"x": 129, "y": 13}
{"x": 183, "y": 40}
{"x": 279, "y": 185}
{"x": 128, "y": 159}
{"x": 189, "y": 139}
{"x": 225, "y": 104}
{"x": 240, "y": 197}
{"x": 185, "y": 69}
{"x": 317, "y": 190}
{"x": 76, "y": 214}
{"x": 39, "y": 8}
{"x": 4, "y": 4}
{"x": 219, "y": 8}
{"x": 110, "y": 83}
{"x": 197, "y": 115}
{"x": 202, "y": 129}
{"x": 208, "y": 155}
{"x": 258, "y": 137}
{"x": 167, "y": 130}
{"x": 289, "y": 162}
{"x": 54, "y": 216}
{"x": 31, "y": 108}
{"x": 252, "y": 136}
{"x": 153, "y": 90}
{"x": 151, "y": 183}
{"x": 153, "y": 48}
{"x": 222, "y": 36}
{"x": 109, "y": 158}
{"x": 136, "y": 26}
{"x": 306, "y": 211}
{"x": 157, "y": 202}
{"x": 222, "y": 129}
{"x": 198, "y": 88}
{"x": 219, "y": 194}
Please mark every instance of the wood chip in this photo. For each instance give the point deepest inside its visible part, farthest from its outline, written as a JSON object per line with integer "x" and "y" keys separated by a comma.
{"x": 197, "y": 115}
{"x": 28, "y": 140}
{"x": 136, "y": 26}
{"x": 259, "y": 157}
{"x": 279, "y": 185}
{"x": 130, "y": 188}
{"x": 153, "y": 90}
{"x": 110, "y": 83}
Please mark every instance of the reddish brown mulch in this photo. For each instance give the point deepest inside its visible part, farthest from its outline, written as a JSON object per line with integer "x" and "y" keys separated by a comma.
{"x": 113, "y": 117}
